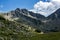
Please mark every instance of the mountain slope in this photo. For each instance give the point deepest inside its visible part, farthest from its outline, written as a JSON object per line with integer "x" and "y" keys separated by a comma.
{"x": 9, "y": 31}
{"x": 35, "y": 20}
{"x": 55, "y": 15}
{"x": 25, "y": 17}
{"x": 53, "y": 23}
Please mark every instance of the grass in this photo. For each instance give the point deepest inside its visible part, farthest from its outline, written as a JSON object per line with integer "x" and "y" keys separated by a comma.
{"x": 12, "y": 35}
{"x": 48, "y": 36}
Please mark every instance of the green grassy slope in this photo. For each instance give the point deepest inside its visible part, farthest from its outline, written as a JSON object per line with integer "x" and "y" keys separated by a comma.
{"x": 49, "y": 36}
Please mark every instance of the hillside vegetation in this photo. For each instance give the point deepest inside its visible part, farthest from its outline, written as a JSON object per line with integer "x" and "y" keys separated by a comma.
{"x": 14, "y": 31}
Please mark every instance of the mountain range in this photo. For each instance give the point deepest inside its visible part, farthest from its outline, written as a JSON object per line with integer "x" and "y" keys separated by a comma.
{"x": 35, "y": 20}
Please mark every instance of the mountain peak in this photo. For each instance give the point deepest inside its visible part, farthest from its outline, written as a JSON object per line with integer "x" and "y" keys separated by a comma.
{"x": 55, "y": 15}
{"x": 17, "y": 9}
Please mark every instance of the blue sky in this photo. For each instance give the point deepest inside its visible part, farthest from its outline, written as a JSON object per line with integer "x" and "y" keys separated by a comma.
{"x": 32, "y": 5}
{"x": 7, "y": 5}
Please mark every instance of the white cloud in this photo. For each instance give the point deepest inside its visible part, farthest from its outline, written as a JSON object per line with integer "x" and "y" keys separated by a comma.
{"x": 46, "y": 8}
{"x": 56, "y": 0}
